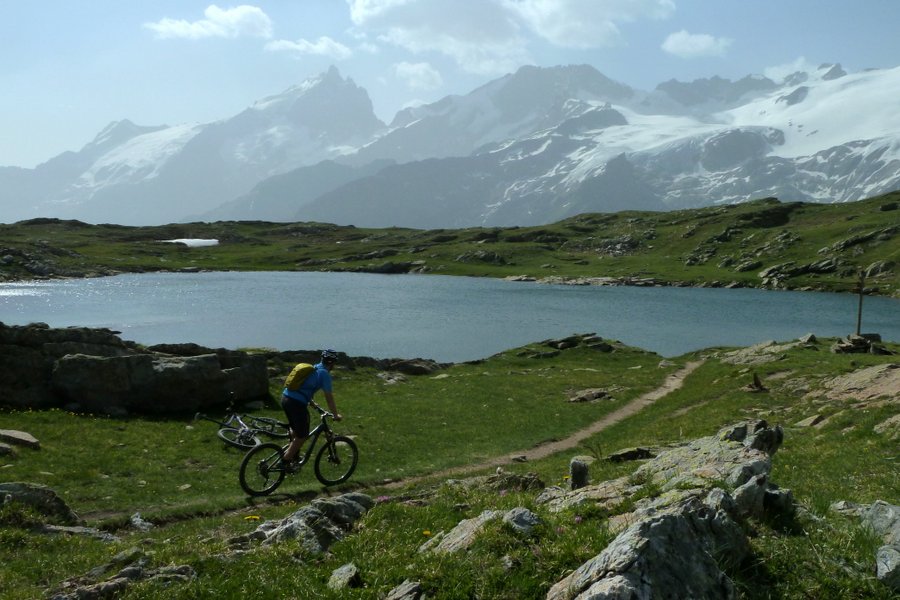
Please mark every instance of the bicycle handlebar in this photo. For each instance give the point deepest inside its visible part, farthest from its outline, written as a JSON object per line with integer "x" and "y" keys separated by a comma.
{"x": 321, "y": 410}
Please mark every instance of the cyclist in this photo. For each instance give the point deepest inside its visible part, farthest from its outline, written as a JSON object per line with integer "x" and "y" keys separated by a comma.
{"x": 295, "y": 404}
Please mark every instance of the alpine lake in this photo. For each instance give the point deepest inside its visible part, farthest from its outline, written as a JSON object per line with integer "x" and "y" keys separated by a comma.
{"x": 448, "y": 319}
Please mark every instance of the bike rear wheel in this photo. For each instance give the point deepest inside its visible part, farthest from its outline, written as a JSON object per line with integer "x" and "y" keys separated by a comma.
{"x": 238, "y": 438}
{"x": 336, "y": 460}
{"x": 262, "y": 470}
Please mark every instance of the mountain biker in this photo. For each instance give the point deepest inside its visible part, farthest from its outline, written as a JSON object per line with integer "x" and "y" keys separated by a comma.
{"x": 295, "y": 404}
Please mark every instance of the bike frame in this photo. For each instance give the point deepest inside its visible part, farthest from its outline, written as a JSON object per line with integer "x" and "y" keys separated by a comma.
{"x": 313, "y": 436}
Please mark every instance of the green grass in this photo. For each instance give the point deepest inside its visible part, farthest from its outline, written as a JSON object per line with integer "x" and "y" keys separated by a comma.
{"x": 176, "y": 473}
{"x": 705, "y": 246}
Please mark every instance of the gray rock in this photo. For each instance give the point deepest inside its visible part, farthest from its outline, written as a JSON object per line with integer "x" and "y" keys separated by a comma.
{"x": 880, "y": 267}
{"x": 628, "y": 454}
{"x": 19, "y": 438}
{"x": 314, "y": 527}
{"x": 462, "y": 536}
{"x": 522, "y": 520}
{"x": 139, "y": 523}
{"x": 91, "y": 532}
{"x": 408, "y": 590}
{"x": 346, "y": 576}
{"x": 41, "y": 498}
{"x": 94, "y": 370}
{"x": 579, "y": 475}
{"x": 667, "y": 556}
{"x": 883, "y": 519}
{"x": 887, "y": 566}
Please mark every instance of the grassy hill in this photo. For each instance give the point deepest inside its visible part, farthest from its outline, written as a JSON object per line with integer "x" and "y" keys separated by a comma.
{"x": 178, "y": 476}
{"x": 764, "y": 243}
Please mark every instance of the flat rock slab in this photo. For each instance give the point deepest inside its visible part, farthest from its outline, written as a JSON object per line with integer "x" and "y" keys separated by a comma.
{"x": 19, "y": 438}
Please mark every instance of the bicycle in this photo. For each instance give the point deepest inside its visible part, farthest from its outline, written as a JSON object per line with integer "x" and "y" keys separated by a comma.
{"x": 242, "y": 431}
{"x": 263, "y": 468}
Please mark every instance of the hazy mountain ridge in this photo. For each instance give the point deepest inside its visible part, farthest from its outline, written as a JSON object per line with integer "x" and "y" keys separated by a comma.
{"x": 528, "y": 148}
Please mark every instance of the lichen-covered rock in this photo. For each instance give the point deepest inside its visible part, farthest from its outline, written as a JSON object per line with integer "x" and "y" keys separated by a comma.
{"x": 462, "y": 536}
{"x": 314, "y": 527}
{"x": 883, "y": 519}
{"x": 41, "y": 498}
{"x": 673, "y": 555}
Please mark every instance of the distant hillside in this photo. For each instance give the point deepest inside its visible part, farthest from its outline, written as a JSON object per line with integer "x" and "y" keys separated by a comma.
{"x": 765, "y": 243}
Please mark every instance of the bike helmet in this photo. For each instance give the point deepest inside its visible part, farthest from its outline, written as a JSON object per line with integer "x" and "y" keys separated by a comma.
{"x": 329, "y": 355}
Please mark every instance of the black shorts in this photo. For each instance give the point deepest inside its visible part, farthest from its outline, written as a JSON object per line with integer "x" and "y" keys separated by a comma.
{"x": 297, "y": 415}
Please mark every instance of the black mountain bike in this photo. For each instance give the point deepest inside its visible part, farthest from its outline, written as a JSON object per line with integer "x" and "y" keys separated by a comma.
{"x": 243, "y": 431}
{"x": 263, "y": 468}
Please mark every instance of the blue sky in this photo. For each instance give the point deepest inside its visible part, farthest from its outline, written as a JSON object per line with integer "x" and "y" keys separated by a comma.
{"x": 67, "y": 69}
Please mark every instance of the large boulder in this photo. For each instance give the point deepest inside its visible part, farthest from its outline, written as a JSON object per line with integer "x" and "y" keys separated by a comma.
{"x": 93, "y": 370}
{"x": 314, "y": 527}
{"x": 39, "y": 497}
{"x": 680, "y": 541}
{"x": 29, "y": 352}
{"x": 882, "y": 519}
{"x": 675, "y": 554}
{"x": 154, "y": 384}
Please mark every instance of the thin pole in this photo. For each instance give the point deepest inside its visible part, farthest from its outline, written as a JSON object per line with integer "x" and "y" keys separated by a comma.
{"x": 862, "y": 281}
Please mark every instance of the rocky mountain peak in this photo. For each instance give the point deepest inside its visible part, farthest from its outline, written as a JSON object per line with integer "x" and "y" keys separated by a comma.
{"x": 118, "y": 132}
{"x": 716, "y": 90}
{"x": 327, "y": 104}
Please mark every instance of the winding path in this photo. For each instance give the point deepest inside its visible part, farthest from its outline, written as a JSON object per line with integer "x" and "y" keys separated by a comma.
{"x": 671, "y": 383}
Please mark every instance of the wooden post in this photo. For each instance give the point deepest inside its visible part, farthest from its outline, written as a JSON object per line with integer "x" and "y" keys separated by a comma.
{"x": 862, "y": 282}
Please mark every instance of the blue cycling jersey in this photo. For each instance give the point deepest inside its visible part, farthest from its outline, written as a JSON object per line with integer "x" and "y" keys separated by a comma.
{"x": 320, "y": 379}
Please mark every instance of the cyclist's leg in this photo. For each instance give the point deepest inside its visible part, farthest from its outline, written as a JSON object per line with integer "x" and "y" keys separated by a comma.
{"x": 298, "y": 417}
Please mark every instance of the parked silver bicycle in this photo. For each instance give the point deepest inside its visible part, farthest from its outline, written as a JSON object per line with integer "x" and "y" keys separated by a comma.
{"x": 243, "y": 431}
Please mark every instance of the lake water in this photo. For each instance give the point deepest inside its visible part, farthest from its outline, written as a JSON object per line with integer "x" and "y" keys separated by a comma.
{"x": 449, "y": 319}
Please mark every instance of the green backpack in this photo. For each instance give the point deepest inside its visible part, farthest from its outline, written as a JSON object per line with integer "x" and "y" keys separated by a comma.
{"x": 298, "y": 375}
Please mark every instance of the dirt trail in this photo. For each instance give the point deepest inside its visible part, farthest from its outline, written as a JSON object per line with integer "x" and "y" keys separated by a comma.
{"x": 672, "y": 383}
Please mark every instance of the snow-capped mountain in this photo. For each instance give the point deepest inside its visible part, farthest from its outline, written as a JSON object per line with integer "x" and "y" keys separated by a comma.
{"x": 824, "y": 136}
{"x": 151, "y": 175}
{"x": 531, "y": 147}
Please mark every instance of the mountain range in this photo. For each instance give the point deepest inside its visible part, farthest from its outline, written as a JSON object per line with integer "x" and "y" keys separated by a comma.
{"x": 532, "y": 147}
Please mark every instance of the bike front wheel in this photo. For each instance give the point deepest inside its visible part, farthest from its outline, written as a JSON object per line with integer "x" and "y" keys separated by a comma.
{"x": 336, "y": 460}
{"x": 238, "y": 438}
{"x": 262, "y": 470}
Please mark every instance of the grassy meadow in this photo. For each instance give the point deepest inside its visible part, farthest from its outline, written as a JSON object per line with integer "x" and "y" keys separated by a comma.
{"x": 179, "y": 476}
{"x": 414, "y": 430}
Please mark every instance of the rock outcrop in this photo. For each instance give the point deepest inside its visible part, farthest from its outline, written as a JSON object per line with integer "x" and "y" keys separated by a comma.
{"x": 40, "y": 498}
{"x": 111, "y": 579}
{"x": 93, "y": 370}
{"x": 680, "y": 542}
{"x": 314, "y": 527}
{"x": 883, "y": 519}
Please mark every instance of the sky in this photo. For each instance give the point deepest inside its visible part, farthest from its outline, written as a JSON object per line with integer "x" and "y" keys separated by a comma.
{"x": 68, "y": 69}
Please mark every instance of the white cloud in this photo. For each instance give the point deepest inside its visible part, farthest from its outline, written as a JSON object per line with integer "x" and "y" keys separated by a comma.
{"x": 418, "y": 76}
{"x": 324, "y": 46}
{"x": 585, "y": 23}
{"x": 694, "y": 45}
{"x": 481, "y": 36}
{"x": 244, "y": 20}
{"x": 490, "y": 37}
{"x": 362, "y": 11}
